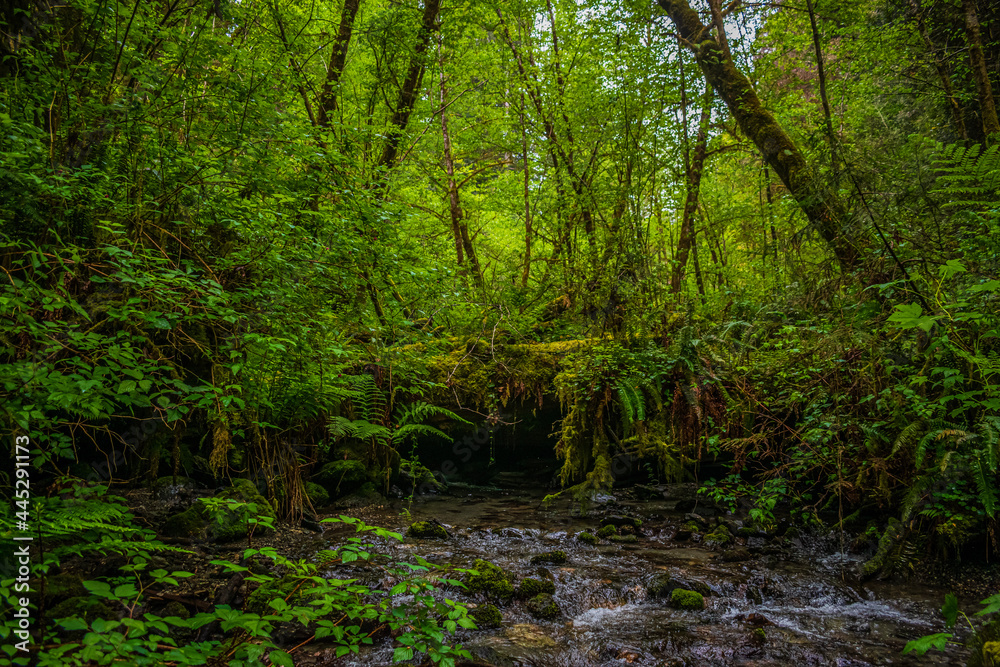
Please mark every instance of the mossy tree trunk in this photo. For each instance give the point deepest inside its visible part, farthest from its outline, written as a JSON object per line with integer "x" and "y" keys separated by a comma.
{"x": 825, "y": 211}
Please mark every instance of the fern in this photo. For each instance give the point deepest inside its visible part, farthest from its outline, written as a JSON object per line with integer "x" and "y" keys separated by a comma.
{"x": 968, "y": 176}
{"x": 985, "y": 479}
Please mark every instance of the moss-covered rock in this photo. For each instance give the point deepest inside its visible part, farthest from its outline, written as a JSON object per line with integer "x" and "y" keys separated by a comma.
{"x": 719, "y": 537}
{"x": 363, "y": 497}
{"x": 318, "y": 496}
{"x": 486, "y": 616}
{"x": 62, "y": 586}
{"x": 530, "y": 587}
{"x": 664, "y": 585}
{"x": 189, "y": 523}
{"x": 758, "y": 635}
{"x": 687, "y": 600}
{"x": 490, "y": 580}
{"x": 628, "y": 539}
{"x": 88, "y": 608}
{"x": 340, "y": 478}
{"x": 427, "y": 530}
{"x": 553, "y": 557}
{"x": 543, "y": 606}
{"x": 230, "y": 519}
{"x": 588, "y": 538}
{"x": 607, "y": 531}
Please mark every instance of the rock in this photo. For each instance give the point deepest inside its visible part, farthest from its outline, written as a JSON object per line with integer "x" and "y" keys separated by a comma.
{"x": 644, "y": 492}
{"x": 758, "y": 636}
{"x": 588, "y": 538}
{"x": 664, "y": 585}
{"x": 624, "y": 538}
{"x": 486, "y": 616}
{"x": 685, "y": 505}
{"x": 490, "y": 580}
{"x": 755, "y": 620}
{"x": 607, "y": 531}
{"x": 340, "y": 478}
{"x": 363, "y": 497}
{"x": 63, "y": 586}
{"x": 737, "y": 555}
{"x": 718, "y": 537}
{"x": 619, "y": 521}
{"x": 530, "y": 588}
{"x": 683, "y": 534}
{"x": 543, "y": 606}
{"x": 686, "y": 600}
{"x": 317, "y": 495}
{"x": 553, "y": 557}
{"x": 698, "y": 519}
{"x": 754, "y": 595}
{"x": 427, "y": 530}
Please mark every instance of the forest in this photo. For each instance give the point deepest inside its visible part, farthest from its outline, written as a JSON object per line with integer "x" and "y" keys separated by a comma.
{"x": 500, "y": 332}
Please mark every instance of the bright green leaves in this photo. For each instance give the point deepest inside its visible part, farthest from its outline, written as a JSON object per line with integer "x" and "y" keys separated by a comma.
{"x": 910, "y": 316}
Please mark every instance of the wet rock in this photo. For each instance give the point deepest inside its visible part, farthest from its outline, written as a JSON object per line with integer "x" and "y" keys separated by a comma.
{"x": 698, "y": 519}
{"x": 644, "y": 492}
{"x": 619, "y": 521}
{"x": 489, "y": 579}
{"x": 686, "y": 600}
{"x": 683, "y": 534}
{"x": 718, "y": 537}
{"x": 607, "y": 531}
{"x": 553, "y": 557}
{"x": 754, "y": 595}
{"x": 427, "y": 530}
{"x": 531, "y": 587}
{"x": 737, "y": 555}
{"x": 588, "y": 538}
{"x": 543, "y": 606}
{"x": 758, "y": 636}
{"x": 629, "y": 539}
{"x": 755, "y": 620}
{"x": 664, "y": 585}
{"x": 486, "y": 616}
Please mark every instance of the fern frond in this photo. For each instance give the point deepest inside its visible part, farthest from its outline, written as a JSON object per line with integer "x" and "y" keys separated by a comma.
{"x": 985, "y": 482}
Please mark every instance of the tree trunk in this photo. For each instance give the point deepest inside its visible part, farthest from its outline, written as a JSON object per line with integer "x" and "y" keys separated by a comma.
{"x": 694, "y": 171}
{"x": 459, "y": 227}
{"x": 944, "y": 74}
{"x": 980, "y": 73}
{"x": 821, "y": 74}
{"x": 527, "y": 200}
{"x": 411, "y": 87}
{"x": 823, "y": 209}
{"x": 328, "y": 98}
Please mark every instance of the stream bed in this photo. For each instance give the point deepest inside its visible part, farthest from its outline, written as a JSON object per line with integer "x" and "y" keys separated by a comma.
{"x": 800, "y": 591}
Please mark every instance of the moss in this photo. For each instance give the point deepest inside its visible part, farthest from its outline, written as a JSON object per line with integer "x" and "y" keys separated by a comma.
{"x": 588, "y": 538}
{"x": 490, "y": 580}
{"x": 341, "y": 477}
{"x": 719, "y": 537}
{"x": 228, "y": 524}
{"x": 553, "y": 557}
{"x": 607, "y": 531}
{"x": 88, "y": 608}
{"x": 529, "y": 588}
{"x": 62, "y": 586}
{"x": 318, "y": 496}
{"x": 692, "y": 526}
{"x": 487, "y": 616}
{"x": 664, "y": 585}
{"x": 427, "y": 530}
{"x": 758, "y": 635}
{"x": 624, "y": 538}
{"x": 688, "y": 600}
{"x": 363, "y": 497}
{"x": 543, "y": 606}
{"x": 175, "y": 609}
{"x": 189, "y": 523}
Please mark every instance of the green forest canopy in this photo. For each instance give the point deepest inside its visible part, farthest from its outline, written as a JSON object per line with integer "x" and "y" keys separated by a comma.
{"x": 761, "y": 231}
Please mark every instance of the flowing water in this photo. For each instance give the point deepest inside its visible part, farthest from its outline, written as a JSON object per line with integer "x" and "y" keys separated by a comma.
{"x": 799, "y": 591}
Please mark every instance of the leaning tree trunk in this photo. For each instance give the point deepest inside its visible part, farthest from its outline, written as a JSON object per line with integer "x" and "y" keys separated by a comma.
{"x": 824, "y": 210}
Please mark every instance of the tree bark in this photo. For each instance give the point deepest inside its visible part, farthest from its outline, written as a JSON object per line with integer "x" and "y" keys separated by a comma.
{"x": 694, "y": 171}
{"x": 980, "y": 73}
{"x": 411, "y": 86}
{"x": 823, "y": 209}
{"x": 463, "y": 243}
{"x": 328, "y": 98}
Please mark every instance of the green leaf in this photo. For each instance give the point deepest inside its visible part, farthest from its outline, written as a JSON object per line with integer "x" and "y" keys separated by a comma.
{"x": 402, "y": 653}
{"x": 950, "y": 609}
{"x": 281, "y": 658}
{"x": 909, "y": 316}
{"x": 920, "y": 646}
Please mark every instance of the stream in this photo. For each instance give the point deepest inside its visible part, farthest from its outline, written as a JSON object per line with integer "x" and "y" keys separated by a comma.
{"x": 813, "y": 612}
